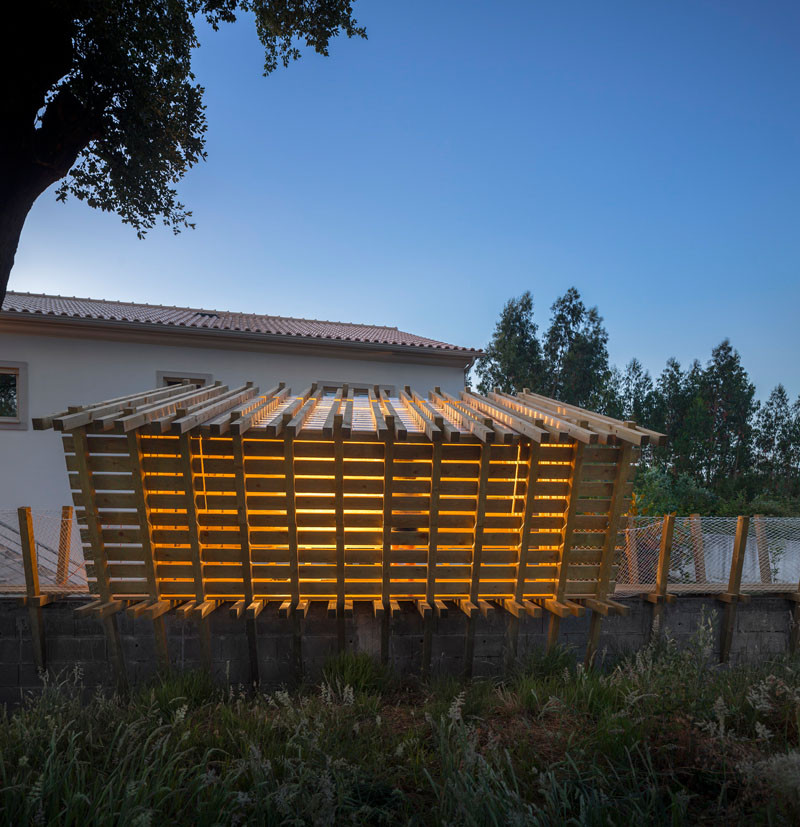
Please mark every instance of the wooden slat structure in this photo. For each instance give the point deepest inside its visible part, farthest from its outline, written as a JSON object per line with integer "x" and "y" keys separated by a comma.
{"x": 329, "y": 495}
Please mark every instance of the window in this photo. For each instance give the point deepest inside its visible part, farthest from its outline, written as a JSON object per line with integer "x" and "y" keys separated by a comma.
{"x": 166, "y": 378}
{"x": 13, "y": 396}
{"x": 358, "y": 388}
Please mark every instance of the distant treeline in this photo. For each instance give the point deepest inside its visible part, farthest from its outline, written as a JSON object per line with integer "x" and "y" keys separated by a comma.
{"x": 727, "y": 452}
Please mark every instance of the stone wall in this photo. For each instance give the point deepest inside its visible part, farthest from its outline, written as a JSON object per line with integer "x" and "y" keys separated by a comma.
{"x": 762, "y": 630}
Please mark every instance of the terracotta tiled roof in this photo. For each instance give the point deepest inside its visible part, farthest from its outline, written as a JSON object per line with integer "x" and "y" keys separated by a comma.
{"x": 109, "y": 311}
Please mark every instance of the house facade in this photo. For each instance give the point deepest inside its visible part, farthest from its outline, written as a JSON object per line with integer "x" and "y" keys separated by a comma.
{"x": 56, "y": 352}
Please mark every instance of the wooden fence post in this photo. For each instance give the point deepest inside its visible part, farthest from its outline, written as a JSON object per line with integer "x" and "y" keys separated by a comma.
{"x": 734, "y": 594}
{"x": 659, "y": 595}
{"x": 34, "y": 597}
{"x": 763, "y": 549}
{"x": 64, "y": 544}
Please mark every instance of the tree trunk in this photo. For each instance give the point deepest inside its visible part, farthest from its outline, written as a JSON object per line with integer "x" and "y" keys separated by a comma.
{"x": 15, "y": 205}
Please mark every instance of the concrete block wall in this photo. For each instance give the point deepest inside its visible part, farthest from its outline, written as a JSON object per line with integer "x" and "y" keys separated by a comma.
{"x": 762, "y": 630}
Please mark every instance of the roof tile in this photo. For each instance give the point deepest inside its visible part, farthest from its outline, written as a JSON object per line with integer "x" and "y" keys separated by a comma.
{"x": 77, "y": 308}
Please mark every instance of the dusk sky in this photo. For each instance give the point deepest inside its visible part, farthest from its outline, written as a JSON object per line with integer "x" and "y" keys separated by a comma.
{"x": 646, "y": 153}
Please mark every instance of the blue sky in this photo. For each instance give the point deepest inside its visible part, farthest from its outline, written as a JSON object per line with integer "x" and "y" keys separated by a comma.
{"x": 647, "y": 153}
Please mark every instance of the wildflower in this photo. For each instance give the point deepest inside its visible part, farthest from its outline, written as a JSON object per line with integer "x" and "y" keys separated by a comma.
{"x": 454, "y": 712}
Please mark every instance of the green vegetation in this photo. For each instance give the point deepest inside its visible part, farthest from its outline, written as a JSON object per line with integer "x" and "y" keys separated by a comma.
{"x": 727, "y": 453}
{"x": 662, "y": 737}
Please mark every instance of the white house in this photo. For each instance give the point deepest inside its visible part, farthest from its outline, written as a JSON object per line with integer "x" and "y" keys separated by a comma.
{"x": 56, "y": 352}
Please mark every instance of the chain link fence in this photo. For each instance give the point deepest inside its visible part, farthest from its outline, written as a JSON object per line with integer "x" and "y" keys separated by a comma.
{"x": 702, "y": 553}
{"x": 58, "y": 550}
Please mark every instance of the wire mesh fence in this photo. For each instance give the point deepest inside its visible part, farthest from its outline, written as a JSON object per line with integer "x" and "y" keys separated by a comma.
{"x": 700, "y": 559}
{"x": 702, "y": 553}
{"x": 58, "y": 549}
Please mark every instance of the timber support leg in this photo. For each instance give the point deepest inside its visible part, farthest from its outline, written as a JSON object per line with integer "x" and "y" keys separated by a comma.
{"x": 594, "y": 637}
{"x": 794, "y": 631}
{"x": 385, "y": 632}
{"x": 427, "y": 645}
{"x": 469, "y": 646}
{"x": 552, "y": 632}
{"x": 726, "y": 634}
{"x": 297, "y": 646}
{"x": 512, "y": 642}
{"x": 162, "y": 652}
{"x": 115, "y": 652}
{"x": 252, "y": 650}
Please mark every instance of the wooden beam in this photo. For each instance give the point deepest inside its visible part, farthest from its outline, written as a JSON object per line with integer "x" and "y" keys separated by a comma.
{"x": 551, "y": 422}
{"x": 496, "y": 412}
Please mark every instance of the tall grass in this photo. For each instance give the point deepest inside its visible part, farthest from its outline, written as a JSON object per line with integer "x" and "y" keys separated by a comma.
{"x": 663, "y": 737}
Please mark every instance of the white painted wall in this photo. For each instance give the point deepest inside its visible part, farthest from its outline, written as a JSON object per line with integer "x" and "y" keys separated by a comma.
{"x": 65, "y": 371}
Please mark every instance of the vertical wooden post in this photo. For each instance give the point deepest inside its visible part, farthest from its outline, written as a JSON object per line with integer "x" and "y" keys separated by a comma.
{"x": 388, "y": 472}
{"x": 338, "y": 500}
{"x": 251, "y": 608}
{"x": 609, "y": 545}
{"x": 512, "y": 652}
{"x": 566, "y": 543}
{"x": 146, "y": 528}
{"x": 477, "y": 554}
{"x": 94, "y": 527}
{"x": 433, "y": 548}
{"x": 294, "y": 557}
{"x": 64, "y": 545}
{"x": 698, "y": 547}
{"x": 762, "y": 546}
{"x": 31, "y": 567}
{"x": 659, "y": 596}
{"x": 734, "y": 592}
{"x": 194, "y": 543}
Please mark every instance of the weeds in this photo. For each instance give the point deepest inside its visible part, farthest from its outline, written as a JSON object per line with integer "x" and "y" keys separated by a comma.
{"x": 662, "y": 737}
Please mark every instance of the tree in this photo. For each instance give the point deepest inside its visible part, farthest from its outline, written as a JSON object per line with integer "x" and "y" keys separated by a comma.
{"x": 575, "y": 353}
{"x": 101, "y": 93}
{"x": 513, "y": 359}
{"x": 637, "y": 394}
{"x": 777, "y": 444}
{"x": 729, "y": 397}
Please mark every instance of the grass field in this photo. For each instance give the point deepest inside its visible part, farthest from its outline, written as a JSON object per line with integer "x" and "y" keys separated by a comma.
{"x": 659, "y": 738}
